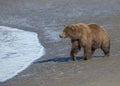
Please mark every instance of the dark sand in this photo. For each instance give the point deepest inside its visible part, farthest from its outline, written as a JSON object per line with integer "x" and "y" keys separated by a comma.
{"x": 47, "y": 17}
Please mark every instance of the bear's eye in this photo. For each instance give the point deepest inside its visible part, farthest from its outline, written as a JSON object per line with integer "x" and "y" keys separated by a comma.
{"x": 66, "y": 30}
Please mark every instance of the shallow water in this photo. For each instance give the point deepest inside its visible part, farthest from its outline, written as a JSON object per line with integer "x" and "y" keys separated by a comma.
{"x": 18, "y": 49}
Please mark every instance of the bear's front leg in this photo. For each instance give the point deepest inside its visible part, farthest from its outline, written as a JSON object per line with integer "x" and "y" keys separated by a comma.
{"x": 75, "y": 48}
{"x": 74, "y": 52}
{"x": 87, "y": 53}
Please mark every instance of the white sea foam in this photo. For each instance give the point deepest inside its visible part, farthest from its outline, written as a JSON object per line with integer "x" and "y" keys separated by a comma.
{"x": 18, "y": 49}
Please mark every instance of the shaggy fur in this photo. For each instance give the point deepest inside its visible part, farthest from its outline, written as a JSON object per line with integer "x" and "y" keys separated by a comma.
{"x": 88, "y": 36}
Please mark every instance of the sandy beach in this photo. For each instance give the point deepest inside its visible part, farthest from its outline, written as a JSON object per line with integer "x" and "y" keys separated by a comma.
{"x": 55, "y": 68}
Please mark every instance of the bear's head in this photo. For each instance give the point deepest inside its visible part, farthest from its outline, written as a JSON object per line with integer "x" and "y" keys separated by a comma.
{"x": 70, "y": 31}
{"x": 67, "y": 31}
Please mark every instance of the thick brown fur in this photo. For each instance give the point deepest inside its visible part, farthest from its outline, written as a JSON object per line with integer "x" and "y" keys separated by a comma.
{"x": 88, "y": 36}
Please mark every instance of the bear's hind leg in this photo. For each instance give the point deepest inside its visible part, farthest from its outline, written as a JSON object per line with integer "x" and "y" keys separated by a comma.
{"x": 106, "y": 51}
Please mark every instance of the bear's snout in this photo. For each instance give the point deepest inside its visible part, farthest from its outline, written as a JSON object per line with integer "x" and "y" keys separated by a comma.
{"x": 62, "y": 35}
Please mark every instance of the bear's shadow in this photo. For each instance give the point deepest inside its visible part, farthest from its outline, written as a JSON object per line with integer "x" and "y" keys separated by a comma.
{"x": 61, "y": 59}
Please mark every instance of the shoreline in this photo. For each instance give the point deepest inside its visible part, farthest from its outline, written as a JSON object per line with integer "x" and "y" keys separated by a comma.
{"x": 56, "y": 67}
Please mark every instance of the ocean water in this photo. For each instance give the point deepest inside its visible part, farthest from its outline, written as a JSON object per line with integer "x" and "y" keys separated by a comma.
{"x": 18, "y": 49}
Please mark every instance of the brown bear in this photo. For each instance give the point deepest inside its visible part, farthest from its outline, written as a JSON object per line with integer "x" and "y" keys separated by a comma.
{"x": 88, "y": 36}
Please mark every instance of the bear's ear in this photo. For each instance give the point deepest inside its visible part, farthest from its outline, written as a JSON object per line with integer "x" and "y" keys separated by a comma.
{"x": 71, "y": 27}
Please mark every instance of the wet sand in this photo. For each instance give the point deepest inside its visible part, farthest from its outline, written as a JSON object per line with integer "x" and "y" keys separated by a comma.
{"x": 56, "y": 68}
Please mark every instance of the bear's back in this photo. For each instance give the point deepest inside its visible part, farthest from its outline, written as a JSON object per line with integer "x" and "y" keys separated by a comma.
{"x": 96, "y": 29}
{"x": 98, "y": 32}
